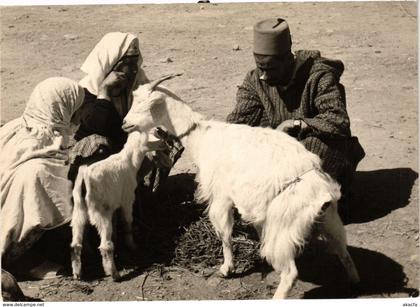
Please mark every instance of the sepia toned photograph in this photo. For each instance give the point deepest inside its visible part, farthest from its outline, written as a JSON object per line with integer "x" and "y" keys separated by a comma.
{"x": 209, "y": 151}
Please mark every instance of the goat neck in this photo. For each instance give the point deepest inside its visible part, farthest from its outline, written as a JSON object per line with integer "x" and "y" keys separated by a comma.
{"x": 182, "y": 120}
{"x": 134, "y": 149}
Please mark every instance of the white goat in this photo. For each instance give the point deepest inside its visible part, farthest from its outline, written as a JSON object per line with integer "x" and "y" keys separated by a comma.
{"x": 273, "y": 181}
{"x": 110, "y": 184}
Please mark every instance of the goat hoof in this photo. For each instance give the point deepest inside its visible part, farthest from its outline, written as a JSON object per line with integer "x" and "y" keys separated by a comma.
{"x": 77, "y": 274}
{"x": 225, "y": 271}
{"x": 115, "y": 276}
{"x": 279, "y": 297}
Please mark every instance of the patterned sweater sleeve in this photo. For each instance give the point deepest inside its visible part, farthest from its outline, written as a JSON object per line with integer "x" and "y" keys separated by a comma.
{"x": 248, "y": 109}
{"x": 332, "y": 120}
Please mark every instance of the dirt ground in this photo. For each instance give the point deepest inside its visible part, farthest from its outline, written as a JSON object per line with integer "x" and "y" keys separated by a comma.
{"x": 211, "y": 44}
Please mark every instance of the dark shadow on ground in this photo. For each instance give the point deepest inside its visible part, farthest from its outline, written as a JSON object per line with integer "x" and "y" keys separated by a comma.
{"x": 163, "y": 217}
{"x": 379, "y": 275}
{"x": 377, "y": 193}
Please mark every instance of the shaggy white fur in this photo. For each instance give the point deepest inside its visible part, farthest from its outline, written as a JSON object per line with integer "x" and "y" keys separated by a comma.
{"x": 273, "y": 181}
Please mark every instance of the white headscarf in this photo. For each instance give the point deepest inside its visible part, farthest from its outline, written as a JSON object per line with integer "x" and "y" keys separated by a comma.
{"x": 47, "y": 116}
{"x": 107, "y": 52}
{"x": 52, "y": 104}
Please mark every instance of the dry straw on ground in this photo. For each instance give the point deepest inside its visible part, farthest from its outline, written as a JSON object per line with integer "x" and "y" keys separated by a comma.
{"x": 182, "y": 235}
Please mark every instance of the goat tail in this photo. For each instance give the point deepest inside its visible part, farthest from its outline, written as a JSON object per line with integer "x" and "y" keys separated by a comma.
{"x": 291, "y": 215}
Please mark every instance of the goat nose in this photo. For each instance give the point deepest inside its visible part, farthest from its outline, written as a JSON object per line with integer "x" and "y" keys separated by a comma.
{"x": 124, "y": 122}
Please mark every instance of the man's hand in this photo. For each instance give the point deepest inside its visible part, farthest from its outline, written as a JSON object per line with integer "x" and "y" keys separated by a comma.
{"x": 287, "y": 126}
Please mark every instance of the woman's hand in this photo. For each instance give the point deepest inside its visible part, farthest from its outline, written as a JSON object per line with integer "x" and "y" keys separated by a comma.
{"x": 158, "y": 145}
{"x": 56, "y": 149}
{"x": 160, "y": 153}
{"x": 112, "y": 85}
{"x": 58, "y": 154}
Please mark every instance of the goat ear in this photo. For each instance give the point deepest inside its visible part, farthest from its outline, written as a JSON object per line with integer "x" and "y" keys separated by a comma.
{"x": 156, "y": 98}
{"x": 156, "y": 82}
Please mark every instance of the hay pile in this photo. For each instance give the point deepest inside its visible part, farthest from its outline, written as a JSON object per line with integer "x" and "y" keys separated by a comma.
{"x": 174, "y": 230}
{"x": 199, "y": 247}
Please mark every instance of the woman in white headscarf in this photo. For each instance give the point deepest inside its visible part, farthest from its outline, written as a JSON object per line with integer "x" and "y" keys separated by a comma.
{"x": 113, "y": 70}
{"x": 35, "y": 193}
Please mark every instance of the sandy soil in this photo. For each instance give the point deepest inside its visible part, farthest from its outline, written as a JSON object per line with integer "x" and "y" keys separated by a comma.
{"x": 378, "y": 44}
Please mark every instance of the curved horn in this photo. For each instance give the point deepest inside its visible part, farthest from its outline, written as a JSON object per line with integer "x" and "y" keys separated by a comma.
{"x": 156, "y": 82}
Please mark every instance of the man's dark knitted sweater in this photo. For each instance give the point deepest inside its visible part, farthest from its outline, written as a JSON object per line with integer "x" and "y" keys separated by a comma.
{"x": 314, "y": 95}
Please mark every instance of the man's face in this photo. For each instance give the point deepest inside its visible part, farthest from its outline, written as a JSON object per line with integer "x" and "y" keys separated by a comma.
{"x": 275, "y": 69}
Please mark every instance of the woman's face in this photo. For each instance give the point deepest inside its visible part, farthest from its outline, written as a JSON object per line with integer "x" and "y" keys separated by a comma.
{"x": 130, "y": 63}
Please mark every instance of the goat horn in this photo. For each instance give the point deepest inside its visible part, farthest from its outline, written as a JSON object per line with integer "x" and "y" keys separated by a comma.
{"x": 161, "y": 79}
